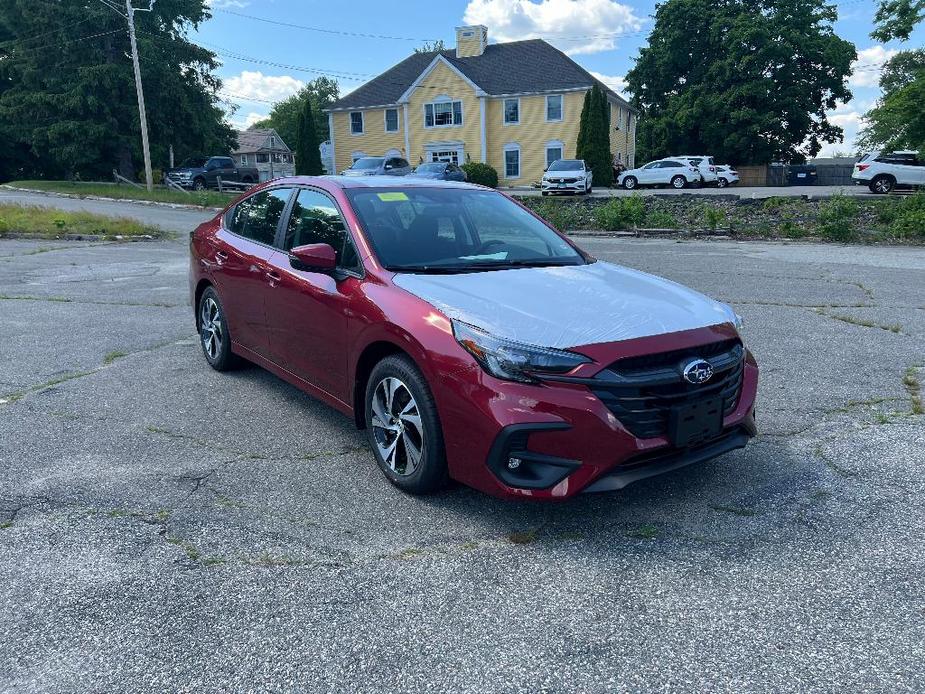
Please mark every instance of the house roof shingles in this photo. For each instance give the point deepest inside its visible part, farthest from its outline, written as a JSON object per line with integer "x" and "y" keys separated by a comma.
{"x": 504, "y": 68}
{"x": 255, "y": 139}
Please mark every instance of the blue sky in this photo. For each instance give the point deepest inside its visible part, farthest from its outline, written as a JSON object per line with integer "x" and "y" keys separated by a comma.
{"x": 602, "y": 35}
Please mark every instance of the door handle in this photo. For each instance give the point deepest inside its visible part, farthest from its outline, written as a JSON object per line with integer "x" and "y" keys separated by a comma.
{"x": 221, "y": 257}
{"x": 274, "y": 277}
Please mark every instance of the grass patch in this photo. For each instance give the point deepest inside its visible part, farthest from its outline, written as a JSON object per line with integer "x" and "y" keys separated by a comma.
{"x": 522, "y": 537}
{"x": 6, "y": 524}
{"x": 864, "y": 322}
{"x": 914, "y": 388}
{"x": 189, "y": 548}
{"x": 206, "y": 198}
{"x": 113, "y": 356}
{"x": 644, "y": 532}
{"x": 49, "y": 223}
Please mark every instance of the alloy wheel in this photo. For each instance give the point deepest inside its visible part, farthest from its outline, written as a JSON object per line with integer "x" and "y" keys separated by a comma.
{"x": 678, "y": 182}
{"x": 210, "y": 328}
{"x": 397, "y": 427}
{"x": 883, "y": 185}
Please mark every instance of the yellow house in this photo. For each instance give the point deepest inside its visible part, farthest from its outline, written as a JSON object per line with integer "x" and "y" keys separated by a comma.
{"x": 515, "y": 106}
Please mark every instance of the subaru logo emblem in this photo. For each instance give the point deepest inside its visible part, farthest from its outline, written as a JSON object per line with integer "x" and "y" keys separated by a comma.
{"x": 697, "y": 371}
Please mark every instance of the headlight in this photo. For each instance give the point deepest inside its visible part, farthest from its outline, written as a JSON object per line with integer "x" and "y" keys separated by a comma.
{"x": 514, "y": 361}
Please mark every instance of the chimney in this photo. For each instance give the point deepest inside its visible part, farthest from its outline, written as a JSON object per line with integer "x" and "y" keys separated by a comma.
{"x": 471, "y": 41}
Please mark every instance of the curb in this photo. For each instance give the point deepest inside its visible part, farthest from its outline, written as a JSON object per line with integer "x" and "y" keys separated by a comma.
{"x": 75, "y": 196}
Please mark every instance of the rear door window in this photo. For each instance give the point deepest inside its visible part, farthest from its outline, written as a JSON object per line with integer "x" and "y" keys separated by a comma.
{"x": 257, "y": 217}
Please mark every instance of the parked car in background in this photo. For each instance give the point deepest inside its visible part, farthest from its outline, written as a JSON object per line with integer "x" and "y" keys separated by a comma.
{"x": 439, "y": 171}
{"x": 200, "y": 173}
{"x": 567, "y": 176}
{"x": 378, "y": 166}
{"x": 677, "y": 173}
{"x": 726, "y": 176}
{"x": 882, "y": 171}
{"x": 705, "y": 166}
{"x": 468, "y": 337}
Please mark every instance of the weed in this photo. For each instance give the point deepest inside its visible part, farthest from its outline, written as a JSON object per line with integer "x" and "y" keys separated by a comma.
{"x": 524, "y": 537}
{"x": 112, "y": 356}
{"x": 659, "y": 219}
{"x": 6, "y": 524}
{"x": 711, "y": 216}
{"x": 644, "y": 532}
{"x": 837, "y": 218}
{"x": 914, "y": 388}
{"x": 620, "y": 213}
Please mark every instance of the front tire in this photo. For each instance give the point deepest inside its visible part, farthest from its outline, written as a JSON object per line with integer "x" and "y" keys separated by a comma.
{"x": 678, "y": 182}
{"x": 403, "y": 427}
{"x": 214, "y": 336}
{"x": 721, "y": 183}
{"x": 199, "y": 184}
{"x": 882, "y": 184}
{"x": 630, "y": 183}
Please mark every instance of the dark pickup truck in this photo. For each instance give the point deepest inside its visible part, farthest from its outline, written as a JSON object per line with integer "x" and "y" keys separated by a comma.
{"x": 201, "y": 173}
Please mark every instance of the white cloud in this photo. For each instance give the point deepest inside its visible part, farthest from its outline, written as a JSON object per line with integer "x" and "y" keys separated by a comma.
{"x": 615, "y": 82}
{"x": 259, "y": 87}
{"x": 574, "y": 26}
{"x": 866, "y": 69}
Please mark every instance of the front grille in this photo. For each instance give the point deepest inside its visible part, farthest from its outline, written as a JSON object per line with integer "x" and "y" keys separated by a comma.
{"x": 640, "y": 391}
{"x": 563, "y": 180}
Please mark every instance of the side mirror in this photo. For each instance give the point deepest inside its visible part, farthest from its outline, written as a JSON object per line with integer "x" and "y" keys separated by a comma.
{"x": 313, "y": 257}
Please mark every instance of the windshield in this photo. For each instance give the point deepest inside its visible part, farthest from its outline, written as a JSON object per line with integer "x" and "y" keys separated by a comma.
{"x": 193, "y": 163}
{"x": 456, "y": 230}
{"x": 565, "y": 165}
{"x": 367, "y": 163}
{"x": 431, "y": 168}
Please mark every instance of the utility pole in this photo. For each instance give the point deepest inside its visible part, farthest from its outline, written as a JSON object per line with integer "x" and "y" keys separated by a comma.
{"x": 129, "y": 15}
{"x": 146, "y": 150}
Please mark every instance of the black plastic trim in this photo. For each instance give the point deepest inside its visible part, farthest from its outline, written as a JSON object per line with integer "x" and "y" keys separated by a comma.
{"x": 538, "y": 471}
{"x": 620, "y": 478}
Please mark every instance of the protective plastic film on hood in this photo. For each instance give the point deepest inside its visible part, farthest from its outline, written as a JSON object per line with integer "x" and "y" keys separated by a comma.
{"x": 568, "y": 306}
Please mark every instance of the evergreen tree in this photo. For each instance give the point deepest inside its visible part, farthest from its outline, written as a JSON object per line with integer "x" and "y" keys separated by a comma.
{"x": 307, "y": 154}
{"x": 594, "y": 136}
{"x": 284, "y": 117}
{"x": 67, "y": 88}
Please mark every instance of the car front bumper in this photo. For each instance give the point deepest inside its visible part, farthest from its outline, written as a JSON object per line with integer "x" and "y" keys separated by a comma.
{"x": 571, "y": 187}
{"x": 556, "y": 440}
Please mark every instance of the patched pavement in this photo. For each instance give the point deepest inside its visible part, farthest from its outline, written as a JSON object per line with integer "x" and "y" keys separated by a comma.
{"x": 167, "y": 528}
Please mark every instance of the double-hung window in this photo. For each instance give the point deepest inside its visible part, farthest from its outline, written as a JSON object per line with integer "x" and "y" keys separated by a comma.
{"x": 512, "y": 161}
{"x": 356, "y": 123}
{"x": 511, "y": 111}
{"x": 391, "y": 120}
{"x": 442, "y": 114}
{"x": 554, "y": 107}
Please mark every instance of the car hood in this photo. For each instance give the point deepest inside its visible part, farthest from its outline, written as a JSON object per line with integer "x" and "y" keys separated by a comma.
{"x": 568, "y": 306}
{"x": 425, "y": 174}
{"x": 359, "y": 172}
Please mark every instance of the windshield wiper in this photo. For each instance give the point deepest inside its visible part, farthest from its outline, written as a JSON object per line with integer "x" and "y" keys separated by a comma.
{"x": 535, "y": 262}
{"x": 431, "y": 269}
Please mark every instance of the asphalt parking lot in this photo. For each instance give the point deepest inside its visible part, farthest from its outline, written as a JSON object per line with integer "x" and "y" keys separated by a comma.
{"x": 164, "y": 527}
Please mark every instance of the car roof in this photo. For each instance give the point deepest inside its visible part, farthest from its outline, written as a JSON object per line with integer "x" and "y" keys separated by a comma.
{"x": 375, "y": 182}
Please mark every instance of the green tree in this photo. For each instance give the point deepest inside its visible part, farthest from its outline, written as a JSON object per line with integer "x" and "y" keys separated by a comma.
{"x": 431, "y": 46}
{"x": 67, "y": 101}
{"x": 284, "y": 117}
{"x": 307, "y": 154}
{"x": 593, "y": 143}
{"x": 898, "y": 119}
{"x": 748, "y": 81}
{"x": 895, "y": 19}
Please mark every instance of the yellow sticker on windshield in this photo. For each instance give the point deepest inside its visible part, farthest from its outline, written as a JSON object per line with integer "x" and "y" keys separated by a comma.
{"x": 393, "y": 197}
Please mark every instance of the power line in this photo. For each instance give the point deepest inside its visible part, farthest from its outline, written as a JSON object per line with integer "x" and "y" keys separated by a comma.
{"x": 322, "y": 30}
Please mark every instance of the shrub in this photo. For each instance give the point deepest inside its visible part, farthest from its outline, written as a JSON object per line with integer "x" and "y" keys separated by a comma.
{"x": 711, "y": 216}
{"x": 157, "y": 176}
{"x": 659, "y": 219}
{"x": 562, "y": 215}
{"x": 908, "y": 219}
{"x": 483, "y": 174}
{"x": 620, "y": 213}
{"x": 838, "y": 217}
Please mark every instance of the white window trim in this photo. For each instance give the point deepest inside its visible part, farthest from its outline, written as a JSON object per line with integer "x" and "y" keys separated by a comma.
{"x": 243, "y": 160}
{"x": 553, "y": 144}
{"x": 362, "y": 122}
{"x": 385, "y": 120}
{"x": 561, "y": 109}
{"x": 504, "y": 111}
{"x": 512, "y": 147}
{"x": 450, "y": 101}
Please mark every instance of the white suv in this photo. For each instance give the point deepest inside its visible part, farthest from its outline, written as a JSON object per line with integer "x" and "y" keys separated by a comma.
{"x": 881, "y": 172}
{"x": 675, "y": 172}
{"x": 567, "y": 176}
{"x": 704, "y": 165}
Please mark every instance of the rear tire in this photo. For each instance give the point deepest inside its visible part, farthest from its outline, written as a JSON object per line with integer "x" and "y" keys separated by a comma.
{"x": 630, "y": 183}
{"x": 678, "y": 182}
{"x": 214, "y": 336}
{"x": 882, "y": 184}
{"x": 721, "y": 183}
{"x": 403, "y": 427}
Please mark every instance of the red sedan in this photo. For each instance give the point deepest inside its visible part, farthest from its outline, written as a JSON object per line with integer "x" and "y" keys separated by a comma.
{"x": 469, "y": 338}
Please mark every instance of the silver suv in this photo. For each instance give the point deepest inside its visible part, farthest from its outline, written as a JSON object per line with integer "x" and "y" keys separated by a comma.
{"x": 378, "y": 166}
